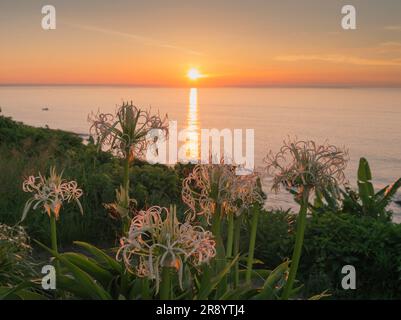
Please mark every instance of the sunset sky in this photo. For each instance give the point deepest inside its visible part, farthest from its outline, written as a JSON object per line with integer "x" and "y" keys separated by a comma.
{"x": 231, "y": 43}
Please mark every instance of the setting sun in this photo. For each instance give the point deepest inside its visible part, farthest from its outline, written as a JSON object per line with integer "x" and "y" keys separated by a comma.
{"x": 193, "y": 74}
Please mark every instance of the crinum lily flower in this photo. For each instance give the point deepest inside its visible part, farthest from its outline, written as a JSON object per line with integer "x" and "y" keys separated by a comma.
{"x": 50, "y": 193}
{"x": 302, "y": 167}
{"x": 215, "y": 192}
{"x": 209, "y": 188}
{"x": 247, "y": 197}
{"x": 246, "y": 192}
{"x": 127, "y": 134}
{"x": 157, "y": 240}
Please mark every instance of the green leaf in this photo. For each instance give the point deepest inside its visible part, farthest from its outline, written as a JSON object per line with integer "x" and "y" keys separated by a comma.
{"x": 30, "y": 295}
{"x": 206, "y": 287}
{"x": 388, "y": 193}
{"x": 320, "y": 296}
{"x": 269, "y": 290}
{"x": 83, "y": 279}
{"x": 89, "y": 266}
{"x": 364, "y": 173}
{"x": 100, "y": 256}
{"x": 27, "y": 207}
{"x": 96, "y": 291}
{"x": 8, "y": 293}
{"x": 240, "y": 293}
{"x": 366, "y": 190}
{"x": 70, "y": 284}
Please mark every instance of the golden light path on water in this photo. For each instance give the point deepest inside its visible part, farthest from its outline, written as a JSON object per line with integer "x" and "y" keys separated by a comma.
{"x": 192, "y": 129}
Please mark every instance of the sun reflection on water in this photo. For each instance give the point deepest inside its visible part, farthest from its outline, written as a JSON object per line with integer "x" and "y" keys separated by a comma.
{"x": 192, "y": 130}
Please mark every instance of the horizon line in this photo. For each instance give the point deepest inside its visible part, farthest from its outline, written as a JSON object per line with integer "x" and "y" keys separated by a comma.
{"x": 250, "y": 86}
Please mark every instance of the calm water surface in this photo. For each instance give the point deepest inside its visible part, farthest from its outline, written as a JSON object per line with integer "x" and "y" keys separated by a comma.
{"x": 367, "y": 121}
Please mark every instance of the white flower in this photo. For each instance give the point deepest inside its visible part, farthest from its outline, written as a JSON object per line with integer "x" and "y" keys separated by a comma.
{"x": 304, "y": 164}
{"x": 206, "y": 187}
{"x": 50, "y": 193}
{"x": 126, "y": 132}
{"x": 210, "y": 185}
{"x": 156, "y": 239}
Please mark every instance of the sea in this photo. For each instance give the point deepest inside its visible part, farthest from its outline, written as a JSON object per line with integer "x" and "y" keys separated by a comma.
{"x": 366, "y": 121}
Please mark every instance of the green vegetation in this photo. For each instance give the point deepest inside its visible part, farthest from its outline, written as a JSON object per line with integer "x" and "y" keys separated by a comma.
{"x": 225, "y": 245}
{"x": 331, "y": 241}
{"x": 26, "y": 150}
{"x": 18, "y": 271}
{"x": 362, "y": 202}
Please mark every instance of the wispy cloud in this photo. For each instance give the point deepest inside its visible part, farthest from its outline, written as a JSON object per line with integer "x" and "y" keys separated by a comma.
{"x": 390, "y": 47}
{"x": 334, "y": 58}
{"x": 390, "y": 44}
{"x": 144, "y": 40}
{"x": 393, "y": 28}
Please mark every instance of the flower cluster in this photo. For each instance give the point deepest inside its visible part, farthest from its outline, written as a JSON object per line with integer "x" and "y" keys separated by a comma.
{"x": 246, "y": 192}
{"x": 50, "y": 193}
{"x": 126, "y": 132}
{"x": 156, "y": 239}
{"x": 304, "y": 164}
{"x": 210, "y": 185}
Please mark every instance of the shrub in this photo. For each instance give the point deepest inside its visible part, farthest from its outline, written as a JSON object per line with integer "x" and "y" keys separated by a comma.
{"x": 333, "y": 240}
{"x": 274, "y": 241}
{"x": 373, "y": 247}
{"x": 15, "y": 262}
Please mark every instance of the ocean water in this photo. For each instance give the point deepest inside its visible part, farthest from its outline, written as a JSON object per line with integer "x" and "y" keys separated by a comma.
{"x": 366, "y": 121}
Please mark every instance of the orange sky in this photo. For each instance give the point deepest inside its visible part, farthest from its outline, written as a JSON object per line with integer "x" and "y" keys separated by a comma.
{"x": 234, "y": 43}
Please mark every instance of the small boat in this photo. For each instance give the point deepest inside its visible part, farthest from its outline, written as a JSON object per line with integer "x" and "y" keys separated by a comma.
{"x": 45, "y": 109}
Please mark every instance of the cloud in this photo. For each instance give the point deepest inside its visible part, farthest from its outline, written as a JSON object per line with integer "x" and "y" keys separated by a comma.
{"x": 390, "y": 47}
{"x": 334, "y": 58}
{"x": 144, "y": 40}
{"x": 391, "y": 44}
{"x": 393, "y": 28}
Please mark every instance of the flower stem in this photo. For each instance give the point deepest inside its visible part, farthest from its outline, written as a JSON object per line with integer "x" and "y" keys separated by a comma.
{"x": 237, "y": 235}
{"x": 216, "y": 222}
{"x": 220, "y": 250}
{"x": 126, "y": 184}
{"x": 230, "y": 235}
{"x": 145, "y": 289}
{"x": 301, "y": 222}
{"x": 252, "y": 241}
{"x": 165, "y": 284}
{"x": 126, "y": 179}
{"x": 216, "y": 230}
{"x": 53, "y": 238}
{"x": 53, "y": 233}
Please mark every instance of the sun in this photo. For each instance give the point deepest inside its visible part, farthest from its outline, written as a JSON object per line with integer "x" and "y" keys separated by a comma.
{"x": 194, "y": 74}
